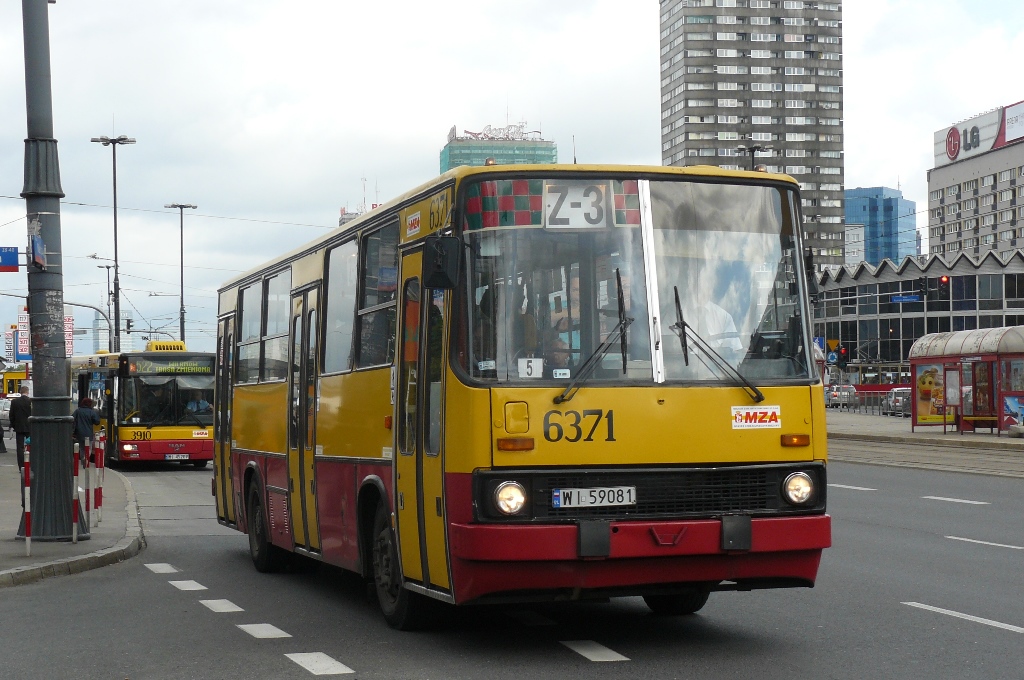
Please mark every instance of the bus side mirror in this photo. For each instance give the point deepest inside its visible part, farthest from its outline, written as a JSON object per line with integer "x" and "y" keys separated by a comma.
{"x": 441, "y": 261}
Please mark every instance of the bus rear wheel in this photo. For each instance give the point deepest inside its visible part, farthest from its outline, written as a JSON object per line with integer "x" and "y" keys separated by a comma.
{"x": 678, "y": 604}
{"x": 266, "y": 556}
{"x": 402, "y": 609}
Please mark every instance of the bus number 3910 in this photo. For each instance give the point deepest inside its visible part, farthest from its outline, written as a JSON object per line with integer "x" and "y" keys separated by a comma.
{"x": 570, "y": 425}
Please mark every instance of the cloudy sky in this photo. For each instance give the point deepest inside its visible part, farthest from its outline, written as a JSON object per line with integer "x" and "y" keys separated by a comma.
{"x": 271, "y": 115}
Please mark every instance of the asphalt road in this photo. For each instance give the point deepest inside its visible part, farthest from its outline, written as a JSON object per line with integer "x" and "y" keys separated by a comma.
{"x": 924, "y": 581}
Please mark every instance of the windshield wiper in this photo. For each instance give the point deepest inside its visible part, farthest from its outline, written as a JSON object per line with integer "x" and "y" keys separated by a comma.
{"x": 194, "y": 417}
{"x": 617, "y": 333}
{"x": 680, "y": 327}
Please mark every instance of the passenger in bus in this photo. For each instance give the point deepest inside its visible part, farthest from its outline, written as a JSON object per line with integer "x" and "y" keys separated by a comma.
{"x": 197, "y": 404}
{"x": 86, "y": 418}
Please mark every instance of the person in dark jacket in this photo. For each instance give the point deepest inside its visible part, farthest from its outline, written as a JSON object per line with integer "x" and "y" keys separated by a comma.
{"x": 85, "y": 418}
{"x": 21, "y": 409}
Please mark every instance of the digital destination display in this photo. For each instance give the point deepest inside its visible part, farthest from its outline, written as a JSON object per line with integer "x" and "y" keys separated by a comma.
{"x": 169, "y": 366}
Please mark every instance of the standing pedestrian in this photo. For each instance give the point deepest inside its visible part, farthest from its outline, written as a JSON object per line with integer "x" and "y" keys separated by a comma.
{"x": 85, "y": 418}
{"x": 21, "y": 409}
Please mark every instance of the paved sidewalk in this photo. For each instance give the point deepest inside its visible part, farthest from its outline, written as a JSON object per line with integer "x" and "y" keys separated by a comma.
{"x": 118, "y": 537}
{"x": 844, "y": 424}
{"x": 855, "y": 438}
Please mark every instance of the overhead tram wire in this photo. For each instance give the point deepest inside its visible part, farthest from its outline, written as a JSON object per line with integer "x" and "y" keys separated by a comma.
{"x": 168, "y": 212}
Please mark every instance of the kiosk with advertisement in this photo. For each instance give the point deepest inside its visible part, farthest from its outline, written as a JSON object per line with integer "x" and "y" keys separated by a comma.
{"x": 973, "y": 379}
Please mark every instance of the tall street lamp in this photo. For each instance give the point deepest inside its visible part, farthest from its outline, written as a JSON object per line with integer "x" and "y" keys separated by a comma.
{"x": 112, "y": 143}
{"x": 181, "y": 215}
{"x": 110, "y": 340}
{"x": 752, "y": 149}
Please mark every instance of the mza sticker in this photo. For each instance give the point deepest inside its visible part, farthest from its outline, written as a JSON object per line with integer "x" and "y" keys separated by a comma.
{"x": 756, "y": 417}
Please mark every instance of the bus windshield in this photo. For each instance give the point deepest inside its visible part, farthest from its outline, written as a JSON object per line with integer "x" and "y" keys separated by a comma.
{"x": 546, "y": 256}
{"x": 167, "y": 400}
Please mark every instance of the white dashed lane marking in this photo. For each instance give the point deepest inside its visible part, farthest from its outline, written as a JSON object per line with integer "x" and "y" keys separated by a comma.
{"x": 263, "y": 630}
{"x": 593, "y": 651}
{"x": 319, "y": 663}
{"x": 996, "y": 545}
{"x": 187, "y": 585}
{"x": 967, "y": 617}
{"x": 955, "y": 500}
{"x": 161, "y": 568}
{"x": 855, "y": 488}
{"x": 221, "y": 606}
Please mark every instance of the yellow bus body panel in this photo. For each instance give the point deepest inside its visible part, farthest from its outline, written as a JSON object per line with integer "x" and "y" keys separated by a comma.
{"x": 259, "y": 417}
{"x": 655, "y": 425}
{"x": 128, "y": 434}
{"x": 350, "y": 421}
{"x": 467, "y": 432}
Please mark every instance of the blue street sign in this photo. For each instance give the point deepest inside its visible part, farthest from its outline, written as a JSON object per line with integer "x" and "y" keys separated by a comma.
{"x": 905, "y": 298}
{"x": 820, "y": 342}
{"x": 831, "y": 357}
{"x": 8, "y": 259}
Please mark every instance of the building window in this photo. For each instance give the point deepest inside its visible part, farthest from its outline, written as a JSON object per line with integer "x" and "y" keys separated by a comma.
{"x": 1005, "y": 215}
{"x": 1006, "y": 175}
{"x": 964, "y": 290}
{"x": 988, "y": 199}
{"x": 988, "y": 180}
{"x": 970, "y": 185}
{"x": 1006, "y": 195}
{"x": 952, "y": 228}
{"x": 988, "y": 220}
{"x": 935, "y": 195}
{"x": 795, "y": 54}
{"x": 761, "y": 103}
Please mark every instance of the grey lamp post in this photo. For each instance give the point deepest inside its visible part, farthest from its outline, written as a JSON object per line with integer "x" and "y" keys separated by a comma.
{"x": 110, "y": 338}
{"x": 752, "y": 149}
{"x": 181, "y": 215}
{"x": 112, "y": 143}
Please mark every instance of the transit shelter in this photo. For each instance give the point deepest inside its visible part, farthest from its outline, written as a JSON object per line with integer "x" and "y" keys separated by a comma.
{"x": 972, "y": 379}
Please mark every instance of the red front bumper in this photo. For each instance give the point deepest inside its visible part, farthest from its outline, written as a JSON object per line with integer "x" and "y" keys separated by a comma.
{"x": 488, "y": 559}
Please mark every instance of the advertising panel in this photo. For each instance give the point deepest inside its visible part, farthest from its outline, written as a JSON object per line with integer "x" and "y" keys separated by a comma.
{"x": 984, "y": 132}
{"x": 930, "y": 395}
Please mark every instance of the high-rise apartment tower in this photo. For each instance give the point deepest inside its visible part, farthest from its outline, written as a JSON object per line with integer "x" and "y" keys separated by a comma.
{"x": 759, "y": 82}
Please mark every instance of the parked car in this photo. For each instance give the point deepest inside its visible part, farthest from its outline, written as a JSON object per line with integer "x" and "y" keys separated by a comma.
{"x": 840, "y": 395}
{"x": 897, "y": 402}
{"x": 5, "y": 414}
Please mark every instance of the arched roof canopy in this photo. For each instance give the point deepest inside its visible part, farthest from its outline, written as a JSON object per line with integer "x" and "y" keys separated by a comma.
{"x": 1003, "y": 340}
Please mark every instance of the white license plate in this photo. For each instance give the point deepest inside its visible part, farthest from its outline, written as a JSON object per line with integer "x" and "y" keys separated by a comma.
{"x": 598, "y": 496}
{"x": 175, "y": 456}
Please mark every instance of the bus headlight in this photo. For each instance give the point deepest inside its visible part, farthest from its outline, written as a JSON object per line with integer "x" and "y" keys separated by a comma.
{"x": 798, "y": 489}
{"x": 130, "y": 447}
{"x": 509, "y": 497}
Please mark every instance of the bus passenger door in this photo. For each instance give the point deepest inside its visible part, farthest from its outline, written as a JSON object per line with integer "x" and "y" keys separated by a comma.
{"x": 222, "y": 469}
{"x": 302, "y": 388}
{"x": 419, "y": 483}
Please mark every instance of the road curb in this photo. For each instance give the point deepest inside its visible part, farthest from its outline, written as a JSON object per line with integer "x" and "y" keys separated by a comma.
{"x": 133, "y": 542}
{"x": 959, "y": 442}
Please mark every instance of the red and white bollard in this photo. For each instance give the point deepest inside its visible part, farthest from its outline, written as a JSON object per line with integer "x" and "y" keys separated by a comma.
{"x": 87, "y": 469}
{"x": 99, "y": 450}
{"x": 28, "y": 499}
{"x": 74, "y": 500}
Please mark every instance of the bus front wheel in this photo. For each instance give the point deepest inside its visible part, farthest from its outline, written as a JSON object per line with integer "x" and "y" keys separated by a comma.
{"x": 266, "y": 556}
{"x": 678, "y": 604}
{"x": 402, "y": 609}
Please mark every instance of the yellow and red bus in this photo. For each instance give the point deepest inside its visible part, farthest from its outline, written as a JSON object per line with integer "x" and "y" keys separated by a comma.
{"x": 155, "y": 405}
{"x": 530, "y": 382}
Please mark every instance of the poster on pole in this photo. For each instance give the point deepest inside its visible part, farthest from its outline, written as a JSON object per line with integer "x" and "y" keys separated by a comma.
{"x": 8, "y": 346}
{"x": 69, "y": 335}
{"x": 8, "y": 259}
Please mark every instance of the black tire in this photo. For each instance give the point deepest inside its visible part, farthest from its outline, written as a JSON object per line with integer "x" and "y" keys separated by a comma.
{"x": 200, "y": 464}
{"x": 266, "y": 557}
{"x": 402, "y": 609}
{"x": 677, "y": 605}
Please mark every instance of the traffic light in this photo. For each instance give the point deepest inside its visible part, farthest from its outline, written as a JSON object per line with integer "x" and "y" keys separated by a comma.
{"x": 943, "y": 287}
{"x": 127, "y": 325}
{"x": 922, "y": 287}
{"x": 843, "y": 358}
